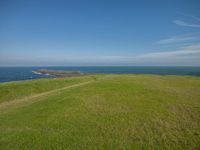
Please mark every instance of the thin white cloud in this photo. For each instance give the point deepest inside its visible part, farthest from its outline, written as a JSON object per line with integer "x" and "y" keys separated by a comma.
{"x": 187, "y": 50}
{"x": 178, "y": 39}
{"x": 185, "y": 24}
{"x": 187, "y": 55}
{"x": 190, "y": 16}
{"x": 194, "y": 17}
{"x": 166, "y": 54}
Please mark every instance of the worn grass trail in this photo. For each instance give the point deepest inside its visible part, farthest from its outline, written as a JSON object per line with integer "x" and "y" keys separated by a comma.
{"x": 5, "y": 105}
{"x": 115, "y": 112}
{"x": 21, "y": 89}
{"x": 33, "y": 98}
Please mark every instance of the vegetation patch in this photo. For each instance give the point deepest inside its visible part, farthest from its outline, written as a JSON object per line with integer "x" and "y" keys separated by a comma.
{"x": 109, "y": 112}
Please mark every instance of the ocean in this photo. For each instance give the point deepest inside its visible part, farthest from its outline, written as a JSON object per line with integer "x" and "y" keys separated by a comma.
{"x": 8, "y": 74}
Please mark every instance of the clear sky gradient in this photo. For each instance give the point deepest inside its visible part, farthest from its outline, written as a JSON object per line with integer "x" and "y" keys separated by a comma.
{"x": 99, "y": 32}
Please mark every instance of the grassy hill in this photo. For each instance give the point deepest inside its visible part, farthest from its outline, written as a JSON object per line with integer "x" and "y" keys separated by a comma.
{"x": 101, "y": 112}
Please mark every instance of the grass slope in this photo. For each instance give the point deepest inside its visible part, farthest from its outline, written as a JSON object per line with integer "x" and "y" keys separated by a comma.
{"x": 19, "y": 89}
{"x": 113, "y": 112}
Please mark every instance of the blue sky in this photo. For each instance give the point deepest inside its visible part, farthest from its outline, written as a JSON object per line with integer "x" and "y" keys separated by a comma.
{"x": 100, "y": 32}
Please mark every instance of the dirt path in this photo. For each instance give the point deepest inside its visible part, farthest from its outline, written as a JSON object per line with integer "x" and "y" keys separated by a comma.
{"x": 16, "y": 102}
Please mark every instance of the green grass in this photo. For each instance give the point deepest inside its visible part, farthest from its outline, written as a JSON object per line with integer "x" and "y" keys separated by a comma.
{"x": 20, "y": 89}
{"x": 114, "y": 112}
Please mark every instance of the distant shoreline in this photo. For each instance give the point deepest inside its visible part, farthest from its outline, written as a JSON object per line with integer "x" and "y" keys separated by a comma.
{"x": 8, "y": 74}
{"x": 59, "y": 73}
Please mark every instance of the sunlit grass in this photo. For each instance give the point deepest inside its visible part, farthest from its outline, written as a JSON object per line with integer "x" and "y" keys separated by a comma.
{"x": 117, "y": 112}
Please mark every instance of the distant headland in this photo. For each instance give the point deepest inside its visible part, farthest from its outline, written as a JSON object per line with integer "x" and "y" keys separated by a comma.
{"x": 60, "y": 73}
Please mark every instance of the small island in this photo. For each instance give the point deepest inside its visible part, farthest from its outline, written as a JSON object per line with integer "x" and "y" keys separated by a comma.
{"x": 60, "y": 73}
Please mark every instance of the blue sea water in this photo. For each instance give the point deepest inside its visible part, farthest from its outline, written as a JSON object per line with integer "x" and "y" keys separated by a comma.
{"x": 25, "y": 73}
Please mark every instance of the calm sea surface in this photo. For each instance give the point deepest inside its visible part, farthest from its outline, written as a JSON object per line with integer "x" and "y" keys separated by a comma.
{"x": 25, "y": 73}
